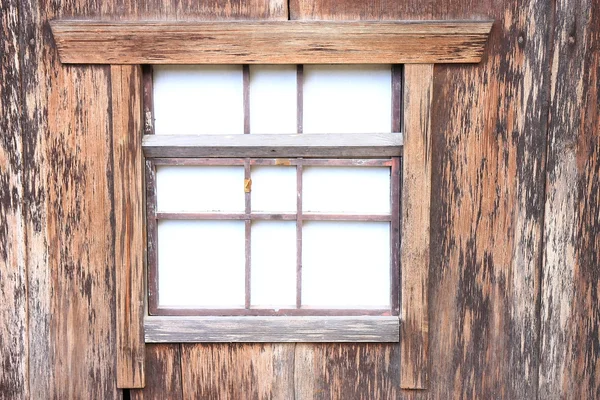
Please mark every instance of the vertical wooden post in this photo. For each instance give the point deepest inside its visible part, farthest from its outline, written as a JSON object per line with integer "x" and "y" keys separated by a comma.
{"x": 416, "y": 200}
{"x": 129, "y": 223}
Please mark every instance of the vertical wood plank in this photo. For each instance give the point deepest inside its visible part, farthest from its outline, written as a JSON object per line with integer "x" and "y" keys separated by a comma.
{"x": 570, "y": 309}
{"x": 238, "y": 371}
{"x": 416, "y": 201}
{"x": 128, "y": 199}
{"x": 14, "y": 351}
{"x": 346, "y": 371}
{"x": 69, "y": 218}
{"x": 163, "y": 370}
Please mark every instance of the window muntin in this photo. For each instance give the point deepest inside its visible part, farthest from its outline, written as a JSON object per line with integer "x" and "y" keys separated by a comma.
{"x": 279, "y": 100}
{"x": 339, "y": 257}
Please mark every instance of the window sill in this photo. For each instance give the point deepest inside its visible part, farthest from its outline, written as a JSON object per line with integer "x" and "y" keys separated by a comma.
{"x": 272, "y": 329}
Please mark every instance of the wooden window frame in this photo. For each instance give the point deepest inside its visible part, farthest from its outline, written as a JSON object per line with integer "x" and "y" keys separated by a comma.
{"x": 127, "y": 45}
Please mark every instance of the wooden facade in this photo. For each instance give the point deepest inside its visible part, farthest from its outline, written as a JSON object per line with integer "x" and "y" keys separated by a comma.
{"x": 513, "y": 284}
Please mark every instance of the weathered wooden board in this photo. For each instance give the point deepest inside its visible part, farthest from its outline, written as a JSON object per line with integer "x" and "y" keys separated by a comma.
{"x": 570, "y": 292}
{"x": 347, "y": 371}
{"x": 416, "y": 204}
{"x": 14, "y": 351}
{"x": 68, "y": 213}
{"x": 269, "y": 42}
{"x": 128, "y": 201}
{"x": 163, "y": 371}
{"x": 238, "y": 371}
{"x": 257, "y": 145}
{"x": 173, "y": 329}
{"x": 488, "y": 127}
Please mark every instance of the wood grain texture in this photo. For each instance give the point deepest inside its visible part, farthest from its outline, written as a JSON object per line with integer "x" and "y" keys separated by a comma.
{"x": 267, "y": 329}
{"x": 489, "y": 127}
{"x": 277, "y": 42}
{"x": 128, "y": 200}
{"x": 238, "y": 371}
{"x": 163, "y": 371}
{"x": 416, "y": 202}
{"x": 570, "y": 309}
{"x": 305, "y": 145}
{"x": 61, "y": 147}
{"x": 347, "y": 371}
{"x": 14, "y": 351}
{"x": 67, "y": 149}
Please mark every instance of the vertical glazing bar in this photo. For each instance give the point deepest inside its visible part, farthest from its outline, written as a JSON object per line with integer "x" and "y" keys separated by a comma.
{"x": 300, "y": 91}
{"x": 299, "y": 234}
{"x": 395, "y": 236}
{"x": 248, "y": 230}
{"x": 246, "y": 94}
{"x": 148, "y": 99}
{"x": 152, "y": 232}
{"x": 396, "y": 98}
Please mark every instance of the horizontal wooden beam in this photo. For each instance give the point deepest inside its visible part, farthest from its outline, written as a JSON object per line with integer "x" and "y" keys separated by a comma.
{"x": 272, "y": 329}
{"x": 270, "y": 42}
{"x": 255, "y": 145}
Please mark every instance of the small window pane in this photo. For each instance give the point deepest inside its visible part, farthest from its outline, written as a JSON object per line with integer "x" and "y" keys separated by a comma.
{"x": 346, "y": 264}
{"x": 201, "y": 263}
{"x": 273, "y": 273}
{"x": 199, "y": 99}
{"x": 347, "y": 98}
{"x": 274, "y": 189}
{"x": 346, "y": 190}
{"x": 199, "y": 188}
{"x": 273, "y": 98}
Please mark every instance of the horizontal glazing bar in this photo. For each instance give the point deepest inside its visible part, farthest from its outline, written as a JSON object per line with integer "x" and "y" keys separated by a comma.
{"x": 273, "y": 217}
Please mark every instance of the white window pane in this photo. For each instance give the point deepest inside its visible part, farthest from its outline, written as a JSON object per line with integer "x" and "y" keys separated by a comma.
{"x": 274, "y": 189}
{"x": 199, "y": 99}
{"x": 273, "y": 258}
{"x": 199, "y": 188}
{"x": 346, "y": 189}
{"x": 201, "y": 263}
{"x": 273, "y": 98}
{"x": 347, "y": 98}
{"x": 346, "y": 264}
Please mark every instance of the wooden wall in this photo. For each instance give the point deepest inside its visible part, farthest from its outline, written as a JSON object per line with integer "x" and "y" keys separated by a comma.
{"x": 514, "y": 279}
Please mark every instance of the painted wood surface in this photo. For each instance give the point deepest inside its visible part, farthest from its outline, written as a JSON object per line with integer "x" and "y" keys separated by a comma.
{"x": 14, "y": 349}
{"x": 570, "y": 281}
{"x": 260, "y": 42}
{"x": 416, "y": 205}
{"x": 128, "y": 201}
{"x": 257, "y": 145}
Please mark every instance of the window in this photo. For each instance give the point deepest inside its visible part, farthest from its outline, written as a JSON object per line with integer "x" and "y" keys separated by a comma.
{"x": 303, "y": 235}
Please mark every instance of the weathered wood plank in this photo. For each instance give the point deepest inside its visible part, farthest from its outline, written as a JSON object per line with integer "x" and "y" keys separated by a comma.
{"x": 347, "y": 371}
{"x": 163, "y": 371}
{"x": 128, "y": 200}
{"x": 416, "y": 203}
{"x": 489, "y": 140}
{"x": 570, "y": 309}
{"x": 14, "y": 349}
{"x": 238, "y": 371}
{"x": 305, "y": 145}
{"x": 270, "y": 42}
{"x": 68, "y": 213}
{"x": 173, "y": 329}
